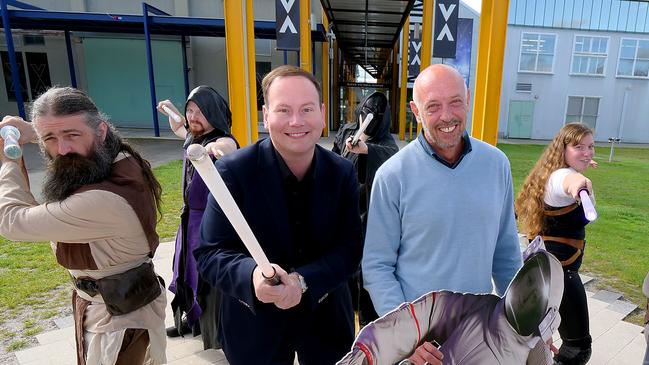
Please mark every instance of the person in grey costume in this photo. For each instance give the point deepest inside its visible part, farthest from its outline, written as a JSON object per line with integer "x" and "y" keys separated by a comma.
{"x": 473, "y": 329}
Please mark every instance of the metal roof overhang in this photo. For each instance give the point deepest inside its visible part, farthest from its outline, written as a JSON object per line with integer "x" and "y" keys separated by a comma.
{"x": 366, "y": 30}
{"x": 128, "y": 23}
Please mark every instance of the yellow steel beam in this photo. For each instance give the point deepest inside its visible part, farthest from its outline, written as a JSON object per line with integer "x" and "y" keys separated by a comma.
{"x": 305, "y": 35}
{"x": 252, "y": 72}
{"x": 236, "y": 57}
{"x": 405, "y": 32}
{"x": 336, "y": 90}
{"x": 495, "y": 73}
{"x": 427, "y": 34}
{"x": 491, "y": 52}
{"x": 482, "y": 67}
{"x": 427, "y": 24}
{"x": 394, "y": 83}
{"x": 351, "y": 97}
{"x": 325, "y": 76}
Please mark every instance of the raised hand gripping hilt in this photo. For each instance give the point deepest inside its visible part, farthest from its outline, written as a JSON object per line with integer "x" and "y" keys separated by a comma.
{"x": 11, "y": 135}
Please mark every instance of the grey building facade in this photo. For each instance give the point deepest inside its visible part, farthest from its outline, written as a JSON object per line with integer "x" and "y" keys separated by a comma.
{"x": 576, "y": 60}
{"x": 112, "y": 68}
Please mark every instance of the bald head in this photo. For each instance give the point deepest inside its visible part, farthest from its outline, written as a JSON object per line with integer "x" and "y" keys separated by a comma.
{"x": 441, "y": 104}
{"x": 438, "y": 75}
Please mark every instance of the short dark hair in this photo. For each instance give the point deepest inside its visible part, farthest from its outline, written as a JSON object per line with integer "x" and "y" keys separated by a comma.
{"x": 288, "y": 71}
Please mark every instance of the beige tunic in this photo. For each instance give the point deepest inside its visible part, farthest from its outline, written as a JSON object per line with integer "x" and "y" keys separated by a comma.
{"x": 110, "y": 227}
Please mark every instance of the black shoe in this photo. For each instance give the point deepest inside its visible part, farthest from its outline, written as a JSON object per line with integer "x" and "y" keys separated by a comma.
{"x": 569, "y": 355}
{"x": 174, "y": 332}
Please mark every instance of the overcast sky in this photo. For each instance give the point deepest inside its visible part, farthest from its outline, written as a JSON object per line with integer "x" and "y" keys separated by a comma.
{"x": 475, "y": 4}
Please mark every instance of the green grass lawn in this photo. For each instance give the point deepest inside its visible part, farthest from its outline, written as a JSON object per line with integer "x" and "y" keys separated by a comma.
{"x": 169, "y": 176}
{"x": 617, "y": 252}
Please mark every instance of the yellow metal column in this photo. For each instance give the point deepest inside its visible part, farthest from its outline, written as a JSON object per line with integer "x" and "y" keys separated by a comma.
{"x": 427, "y": 24}
{"x": 351, "y": 98}
{"x": 236, "y": 59}
{"x": 335, "y": 91}
{"x": 252, "y": 71}
{"x": 305, "y": 35}
{"x": 405, "y": 33}
{"x": 489, "y": 70}
{"x": 427, "y": 34}
{"x": 482, "y": 68}
{"x": 325, "y": 76}
{"x": 395, "y": 85}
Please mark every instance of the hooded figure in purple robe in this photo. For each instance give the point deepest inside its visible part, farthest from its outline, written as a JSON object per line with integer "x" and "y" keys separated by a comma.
{"x": 196, "y": 304}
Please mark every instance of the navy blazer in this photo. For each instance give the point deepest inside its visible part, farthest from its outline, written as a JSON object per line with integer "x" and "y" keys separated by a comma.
{"x": 333, "y": 252}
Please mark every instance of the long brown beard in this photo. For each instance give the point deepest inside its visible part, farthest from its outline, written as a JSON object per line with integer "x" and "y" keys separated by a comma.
{"x": 67, "y": 173}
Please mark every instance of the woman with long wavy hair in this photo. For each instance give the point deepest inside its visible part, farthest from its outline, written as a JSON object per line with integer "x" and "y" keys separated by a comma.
{"x": 549, "y": 205}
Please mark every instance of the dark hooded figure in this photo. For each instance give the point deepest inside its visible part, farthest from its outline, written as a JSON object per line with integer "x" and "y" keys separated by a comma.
{"x": 207, "y": 122}
{"x": 380, "y": 143}
{"x": 375, "y": 146}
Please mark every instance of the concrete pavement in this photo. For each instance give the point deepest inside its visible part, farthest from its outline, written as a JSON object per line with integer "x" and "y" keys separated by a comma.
{"x": 614, "y": 341}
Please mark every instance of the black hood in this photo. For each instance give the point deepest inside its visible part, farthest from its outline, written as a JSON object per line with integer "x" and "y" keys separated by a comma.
{"x": 213, "y": 106}
{"x": 377, "y": 104}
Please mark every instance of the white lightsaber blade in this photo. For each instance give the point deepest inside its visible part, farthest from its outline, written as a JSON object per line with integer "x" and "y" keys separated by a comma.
{"x": 589, "y": 209}
{"x": 362, "y": 128}
{"x": 173, "y": 115}
{"x": 357, "y": 136}
{"x": 203, "y": 164}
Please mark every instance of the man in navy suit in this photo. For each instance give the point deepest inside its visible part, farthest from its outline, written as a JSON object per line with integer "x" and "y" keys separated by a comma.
{"x": 301, "y": 201}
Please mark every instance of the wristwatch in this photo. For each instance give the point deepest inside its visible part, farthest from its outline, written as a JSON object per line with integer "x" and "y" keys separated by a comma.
{"x": 302, "y": 281}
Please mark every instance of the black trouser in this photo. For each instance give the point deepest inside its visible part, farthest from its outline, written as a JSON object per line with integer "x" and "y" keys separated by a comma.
{"x": 361, "y": 301}
{"x": 574, "y": 328}
{"x": 366, "y": 312}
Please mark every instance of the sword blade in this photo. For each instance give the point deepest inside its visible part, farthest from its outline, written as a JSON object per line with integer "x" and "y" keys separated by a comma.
{"x": 203, "y": 164}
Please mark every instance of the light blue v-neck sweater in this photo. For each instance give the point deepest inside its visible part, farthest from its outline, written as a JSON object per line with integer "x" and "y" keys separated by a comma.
{"x": 431, "y": 227}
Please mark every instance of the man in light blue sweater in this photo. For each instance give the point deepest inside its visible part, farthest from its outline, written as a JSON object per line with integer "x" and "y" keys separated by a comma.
{"x": 441, "y": 213}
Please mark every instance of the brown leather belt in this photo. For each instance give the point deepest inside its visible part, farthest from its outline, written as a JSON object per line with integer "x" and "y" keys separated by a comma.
{"x": 574, "y": 243}
{"x": 561, "y": 211}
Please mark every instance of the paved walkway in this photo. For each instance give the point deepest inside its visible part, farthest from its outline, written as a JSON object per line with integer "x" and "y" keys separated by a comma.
{"x": 615, "y": 341}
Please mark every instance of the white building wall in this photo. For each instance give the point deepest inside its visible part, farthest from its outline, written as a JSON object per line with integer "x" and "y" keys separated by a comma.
{"x": 550, "y": 92}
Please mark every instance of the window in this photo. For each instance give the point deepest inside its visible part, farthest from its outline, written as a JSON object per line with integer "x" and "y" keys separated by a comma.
{"x": 33, "y": 40}
{"x": 37, "y": 75}
{"x": 634, "y": 58}
{"x": 9, "y": 83}
{"x": 537, "y": 52}
{"x": 589, "y": 55}
{"x": 38, "y": 72}
{"x": 582, "y": 109}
